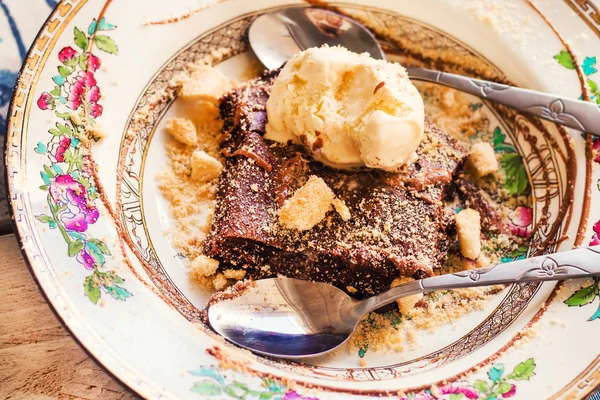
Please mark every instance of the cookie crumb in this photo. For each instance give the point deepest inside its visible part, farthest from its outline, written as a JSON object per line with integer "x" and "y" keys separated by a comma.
{"x": 203, "y": 83}
{"x": 203, "y": 266}
{"x": 406, "y": 304}
{"x": 342, "y": 209}
{"x": 468, "y": 227}
{"x": 308, "y": 206}
{"x": 182, "y": 130}
{"x": 483, "y": 159}
{"x": 205, "y": 167}
{"x": 220, "y": 282}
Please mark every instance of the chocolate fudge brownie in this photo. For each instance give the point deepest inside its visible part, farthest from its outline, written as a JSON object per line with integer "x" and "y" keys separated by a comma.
{"x": 397, "y": 225}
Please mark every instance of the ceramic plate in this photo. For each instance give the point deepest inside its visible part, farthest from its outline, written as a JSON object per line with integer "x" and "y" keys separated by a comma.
{"x": 96, "y": 241}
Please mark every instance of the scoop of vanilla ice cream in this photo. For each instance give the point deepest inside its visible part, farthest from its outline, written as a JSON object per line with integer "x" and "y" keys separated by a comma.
{"x": 349, "y": 110}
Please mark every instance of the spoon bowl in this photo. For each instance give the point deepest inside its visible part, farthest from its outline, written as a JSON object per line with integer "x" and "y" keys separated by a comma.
{"x": 286, "y": 317}
{"x": 295, "y": 319}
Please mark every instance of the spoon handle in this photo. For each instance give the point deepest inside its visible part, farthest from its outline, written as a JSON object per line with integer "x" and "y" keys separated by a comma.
{"x": 572, "y": 264}
{"x": 581, "y": 115}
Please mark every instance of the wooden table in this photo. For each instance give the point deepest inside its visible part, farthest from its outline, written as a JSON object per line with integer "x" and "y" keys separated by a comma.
{"x": 38, "y": 358}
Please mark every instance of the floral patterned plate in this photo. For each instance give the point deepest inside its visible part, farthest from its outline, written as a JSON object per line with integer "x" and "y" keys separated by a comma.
{"x": 94, "y": 237}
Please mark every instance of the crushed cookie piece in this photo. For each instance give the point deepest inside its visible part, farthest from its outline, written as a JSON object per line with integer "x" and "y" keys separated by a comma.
{"x": 483, "y": 159}
{"x": 220, "y": 282}
{"x": 203, "y": 266}
{"x": 342, "y": 209}
{"x": 203, "y": 83}
{"x": 182, "y": 130}
{"x": 351, "y": 289}
{"x": 205, "y": 167}
{"x": 406, "y": 304}
{"x": 468, "y": 227}
{"x": 237, "y": 274}
{"x": 308, "y": 206}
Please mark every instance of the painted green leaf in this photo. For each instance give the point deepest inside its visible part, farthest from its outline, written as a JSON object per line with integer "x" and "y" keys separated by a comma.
{"x": 588, "y": 66}
{"x": 44, "y": 187}
{"x": 593, "y": 86}
{"x": 503, "y": 388}
{"x": 596, "y": 315}
{"x": 64, "y": 115}
{"x": 44, "y": 218}
{"x": 516, "y": 175}
{"x": 210, "y": 372}
{"x": 83, "y": 61}
{"x": 75, "y": 247}
{"x": 522, "y": 371}
{"x": 49, "y": 171}
{"x": 118, "y": 292}
{"x": 583, "y": 296}
{"x": 106, "y": 44}
{"x": 64, "y": 71}
{"x": 101, "y": 246}
{"x": 499, "y": 144}
{"x": 207, "y": 388}
{"x": 232, "y": 391}
{"x": 54, "y": 131}
{"x": 92, "y": 291}
{"x": 113, "y": 277}
{"x": 565, "y": 59}
{"x": 496, "y": 372}
{"x": 456, "y": 396}
{"x": 80, "y": 39}
{"x": 96, "y": 254}
{"x": 481, "y": 386}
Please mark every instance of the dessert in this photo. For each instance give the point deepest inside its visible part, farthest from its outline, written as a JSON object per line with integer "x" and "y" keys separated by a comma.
{"x": 395, "y": 224}
{"x": 347, "y": 109}
{"x": 266, "y": 200}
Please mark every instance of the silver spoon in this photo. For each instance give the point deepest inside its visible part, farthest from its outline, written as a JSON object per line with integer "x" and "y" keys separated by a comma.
{"x": 291, "y": 318}
{"x": 276, "y": 36}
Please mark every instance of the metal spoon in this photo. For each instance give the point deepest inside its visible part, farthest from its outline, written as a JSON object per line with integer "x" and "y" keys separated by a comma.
{"x": 276, "y": 36}
{"x": 291, "y": 318}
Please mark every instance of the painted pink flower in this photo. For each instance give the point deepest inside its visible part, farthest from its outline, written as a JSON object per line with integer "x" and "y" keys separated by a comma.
{"x": 295, "y": 396}
{"x": 83, "y": 88}
{"x": 596, "y": 238}
{"x": 463, "y": 388}
{"x": 86, "y": 259}
{"x": 80, "y": 211}
{"x": 511, "y": 392}
{"x": 596, "y": 148}
{"x": 93, "y": 63}
{"x": 519, "y": 221}
{"x": 66, "y": 54}
{"x": 45, "y": 101}
{"x": 63, "y": 146}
